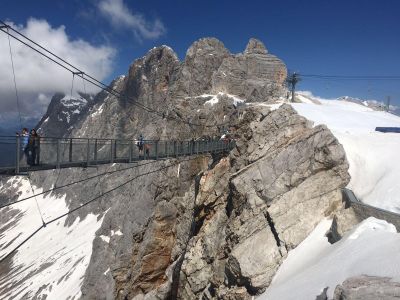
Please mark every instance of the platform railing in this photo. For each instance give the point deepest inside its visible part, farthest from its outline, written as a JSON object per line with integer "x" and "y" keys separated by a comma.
{"x": 17, "y": 156}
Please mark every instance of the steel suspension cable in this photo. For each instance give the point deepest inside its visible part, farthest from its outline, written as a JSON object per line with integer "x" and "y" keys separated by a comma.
{"x": 20, "y": 121}
{"x": 76, "y": 182}
{"x": 87, "y": 203}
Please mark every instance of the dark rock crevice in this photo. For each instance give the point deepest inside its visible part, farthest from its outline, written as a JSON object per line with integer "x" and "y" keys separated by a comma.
{"x": 194, "y": 229}
{"x": 272, "y": 227}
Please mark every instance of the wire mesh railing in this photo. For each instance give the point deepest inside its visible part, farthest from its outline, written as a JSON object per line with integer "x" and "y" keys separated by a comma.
{"x": 21, "y": 153}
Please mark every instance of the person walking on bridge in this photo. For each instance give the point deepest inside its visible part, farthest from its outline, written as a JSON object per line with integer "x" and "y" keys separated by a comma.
{"x": 140, "y": 144}
{"x": 33, "y": 145}
{"x": 23, "y": 139}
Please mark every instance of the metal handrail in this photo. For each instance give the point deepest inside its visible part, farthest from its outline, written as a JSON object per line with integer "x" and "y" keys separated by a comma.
{"x": 56, "y": 152}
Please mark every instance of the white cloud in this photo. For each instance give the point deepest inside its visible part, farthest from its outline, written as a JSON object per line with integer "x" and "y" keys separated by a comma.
{"x": 38, "y": 78}
{"x": 121, "y": 16}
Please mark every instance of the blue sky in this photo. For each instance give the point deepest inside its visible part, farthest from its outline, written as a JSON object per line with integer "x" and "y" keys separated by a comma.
{"x": 311, "y": 37}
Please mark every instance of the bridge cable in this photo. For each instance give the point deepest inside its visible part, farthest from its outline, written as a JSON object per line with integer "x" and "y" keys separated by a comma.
{"x": 20, "y": 121}
{"x": 15, "y": 81}
{"x": 87, "y": 203}
{"x": 76, "y": 182}
{"x": 90, "y": 123}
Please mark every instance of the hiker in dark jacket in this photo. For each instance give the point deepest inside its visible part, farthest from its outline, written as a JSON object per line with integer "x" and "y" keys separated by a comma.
{"x": 33, "y": 145}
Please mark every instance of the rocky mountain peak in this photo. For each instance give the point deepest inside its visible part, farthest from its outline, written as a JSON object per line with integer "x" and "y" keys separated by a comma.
{"x": 204, "y": 46}
{"x": 176, "y": 89}
{"x": 255, "y": 46}
{"x": 202, "y": 60}
{"x": 62, "y": 112}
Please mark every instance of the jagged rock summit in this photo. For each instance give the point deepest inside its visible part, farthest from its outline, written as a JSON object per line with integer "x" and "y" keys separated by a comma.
{"x": 175, "y": 90}
{"x": 255, "y": 75}
{"x": 256, "y": 47}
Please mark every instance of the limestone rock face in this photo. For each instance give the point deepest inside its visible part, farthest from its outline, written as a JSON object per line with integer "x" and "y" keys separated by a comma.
{"x": 154, "y": 217}
{"x": 255, "y": 47}
{"x": 203, "y": 58}
{"x": 281, "y": 180}
{"x": 367, "y": 288}
{"x": 147, "y": 85}
{"x": 343, "y": 221}
{"x": 163, "y": 98}
{"x": 62, "y": 113}
{"x": 254, "y": 75}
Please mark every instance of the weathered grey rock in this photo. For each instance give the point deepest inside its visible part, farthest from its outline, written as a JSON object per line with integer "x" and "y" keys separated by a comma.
{"x": 367, "y": 288}
{"x": 285, "y": 177}
{"x": 148, "y": 82}
{"x": 204, "y": 261}
{"x": 203, "y": 58}
{"x": 343, "y": 221}
{"x": 254, "y": 75}
{"x": 266, "y": 131}
{"x": 254, "y": 261}
{"x": 152, "y": 238}
{"x": 62, "y": 113}
{"x": 255, "y": 46}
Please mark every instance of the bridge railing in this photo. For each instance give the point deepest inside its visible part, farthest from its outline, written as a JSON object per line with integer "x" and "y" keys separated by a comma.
{"x": 364, "y": 211}
{"x": 49, "y": 152}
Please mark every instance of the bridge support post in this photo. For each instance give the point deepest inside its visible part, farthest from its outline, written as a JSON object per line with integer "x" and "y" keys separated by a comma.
{"x": 175, "y": 154}
{"x": 130, "y": 151}
{"x": 88, "y": 152}
{"x": 182, "y": 152}
{"x": 38, "y": 152}
{"x": 95, "y": 152}
{"x": 111, "y": 151}
{"x": 70, "y": 151}
{"x": 115, "y": 150}
{"x": 58, "y": 153}
{"x": 166, "y": 148}
{"x": 156, "y": 149}
{"x": 17, "y": 153}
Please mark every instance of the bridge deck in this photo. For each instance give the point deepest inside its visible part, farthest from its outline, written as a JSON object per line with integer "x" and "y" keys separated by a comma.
{"x": 53, "y": 153}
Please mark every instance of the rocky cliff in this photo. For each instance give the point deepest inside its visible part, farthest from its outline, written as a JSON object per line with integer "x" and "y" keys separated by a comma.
{"x": 209, "y": 227}
{"x": 63, "y": 113}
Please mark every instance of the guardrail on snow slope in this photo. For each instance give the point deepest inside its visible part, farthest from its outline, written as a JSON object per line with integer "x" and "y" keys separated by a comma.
{"x": 365, "y": 211}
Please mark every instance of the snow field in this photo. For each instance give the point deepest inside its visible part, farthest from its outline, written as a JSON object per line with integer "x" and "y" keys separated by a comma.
{"x": 60, "y": 253}
{"x": 371, "y": 248}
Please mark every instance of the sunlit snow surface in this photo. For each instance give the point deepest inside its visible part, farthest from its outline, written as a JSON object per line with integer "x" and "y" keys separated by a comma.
{"x": 373, "y": 156}
{"x": 371, "y": 248}
{"x": 54, "y": 261}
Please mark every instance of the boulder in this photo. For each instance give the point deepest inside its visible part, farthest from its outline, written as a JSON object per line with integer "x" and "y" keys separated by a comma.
{"x": 367, "y": 288}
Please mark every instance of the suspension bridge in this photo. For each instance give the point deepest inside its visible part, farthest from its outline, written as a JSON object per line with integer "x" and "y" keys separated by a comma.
{"x": 56, "y": 153}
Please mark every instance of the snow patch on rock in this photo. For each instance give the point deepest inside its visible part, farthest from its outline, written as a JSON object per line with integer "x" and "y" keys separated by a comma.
{"x": 61, "y": 253}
